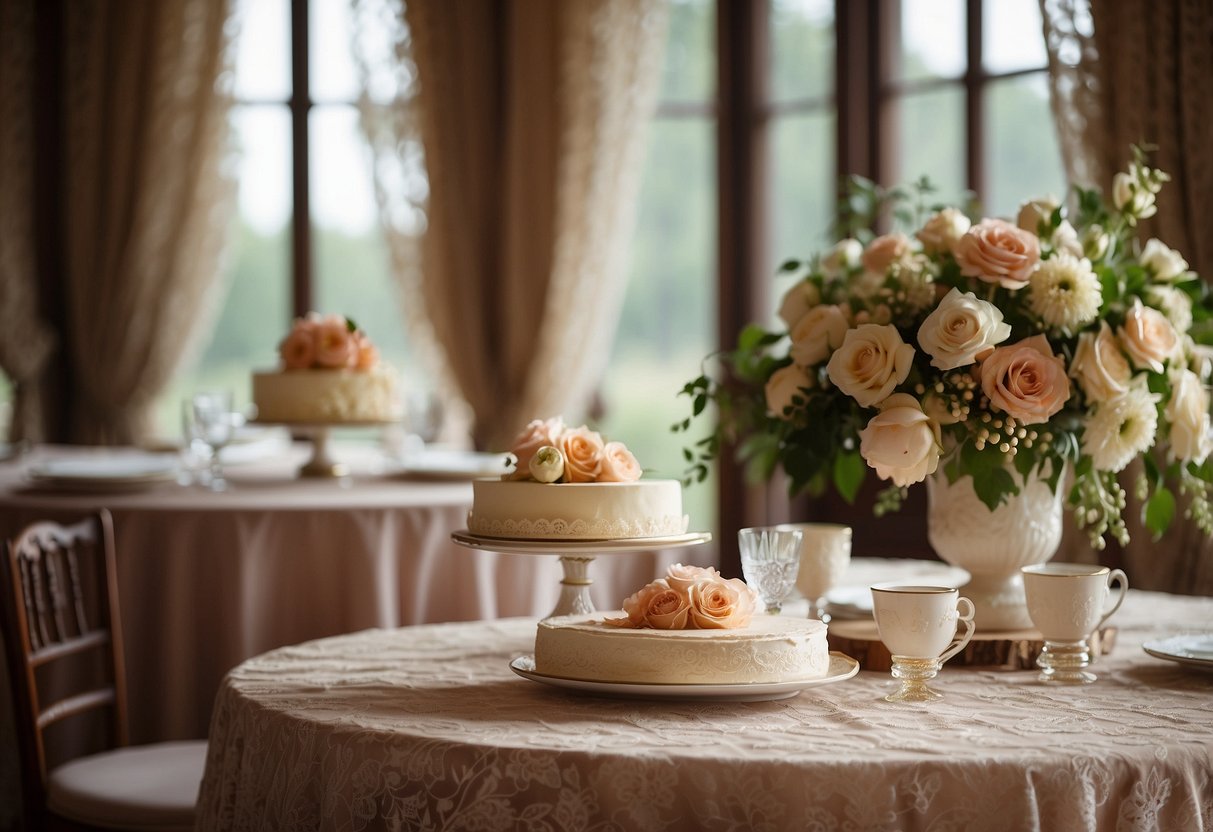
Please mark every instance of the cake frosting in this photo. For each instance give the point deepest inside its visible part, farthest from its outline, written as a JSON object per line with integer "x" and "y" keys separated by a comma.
{"x": 769, "y": 649}
{"x": 577, "y": 511}
{"x": 330, "y": 373}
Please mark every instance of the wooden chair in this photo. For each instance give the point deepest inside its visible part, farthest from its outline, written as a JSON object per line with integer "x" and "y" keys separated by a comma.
{"x": 55, "y": 580}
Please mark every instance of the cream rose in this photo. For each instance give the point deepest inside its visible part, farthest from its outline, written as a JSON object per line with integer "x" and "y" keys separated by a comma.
{"x": 997, "y": 252}
{"x": 298, "y": 348}
{"x": 797, "y": 302}
{"x": 784, "y": 385}
{"x": 1099, "y": 366}
{"x": 842, "y": 257}
{"x": 1166, "y": 264}
{"x": 582, "y": 449}
{"x": 1036, "y": 212}
{"x": 817, "y": 334}
{"x": 722, "y": 605}
{"x": 684, "y": 577}
{"x": 535, "y": 435}
{"x": 901, "y": 443}
{"x": 870, "y": 363}
{"x": 547, "y": 465}
{"x": 1188, "y": 414}
{"x": 335, "y": 345}
{"x": 618, "y": 464}
{"x": 1148, "y": 337}
{"x": 1026, "y": 380}
{"x": 884, "y": 251}
{"x": 943, "y": 231}
{"x": 961, "y": 328}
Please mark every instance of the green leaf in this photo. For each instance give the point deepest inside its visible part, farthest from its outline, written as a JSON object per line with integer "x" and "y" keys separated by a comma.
{"x": 1152, "y": 472}
{"x": 993, "y": 486}
{"x": 1159, "y": 511}
{"x": 849, "y": 471}
{"x": 752, "y": 337}
{"x": 350, "y": 325}
{"x": 789, "y": 266}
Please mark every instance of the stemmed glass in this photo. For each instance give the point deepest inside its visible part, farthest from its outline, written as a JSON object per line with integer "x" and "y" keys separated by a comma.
{"x": 770, "y": 559}
{"x": 214, "y": 424}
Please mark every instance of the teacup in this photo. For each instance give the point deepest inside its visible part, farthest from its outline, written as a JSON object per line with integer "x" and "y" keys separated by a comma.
{"x": 825, "y": 551}
{"x": 919, "y": 624}
{"x": 1066, "y": 602}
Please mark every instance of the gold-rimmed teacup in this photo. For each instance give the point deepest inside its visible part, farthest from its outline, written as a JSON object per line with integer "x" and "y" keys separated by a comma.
{"x": 1066, "y": 603}
{"x": 919, "y": 625}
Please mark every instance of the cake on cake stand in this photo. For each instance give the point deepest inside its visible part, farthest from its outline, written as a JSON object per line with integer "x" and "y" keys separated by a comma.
{"x": 322, "y": 463}
{"x": 575, "y": 559}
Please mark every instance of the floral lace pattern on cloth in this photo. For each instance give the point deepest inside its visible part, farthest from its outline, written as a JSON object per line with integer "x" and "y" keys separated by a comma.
{"x": 427, "y": 728}
{"x": 604, "y": 528}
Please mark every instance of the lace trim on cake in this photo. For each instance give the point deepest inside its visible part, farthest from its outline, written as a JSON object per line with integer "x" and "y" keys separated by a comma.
{"x": 606, "y": 528}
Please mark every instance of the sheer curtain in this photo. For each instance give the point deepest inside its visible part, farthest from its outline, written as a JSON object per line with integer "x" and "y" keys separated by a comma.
{"x": 527, "y": 118}
{"x": 1133, "y": 71}
{"x": 149, "y": 198}
{"x": 26, "y": 341}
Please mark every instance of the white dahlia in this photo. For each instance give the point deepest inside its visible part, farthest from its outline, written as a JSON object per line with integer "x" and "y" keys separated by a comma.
{"x": 1064, "y": 292}
{"x": 1119, "y": 429}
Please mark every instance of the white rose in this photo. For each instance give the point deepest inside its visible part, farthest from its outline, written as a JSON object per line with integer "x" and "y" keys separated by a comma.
{"x": 1065, "y": 239}
{"x": 1132, "y": 199}
{"x": 1095, "y": 242}
{"x": 1164, "y": 263}
{"x": 817, "y": 334}
{"x": 942, "y": 231}
{"x": 870, "y": 363}
{"x": 785, "y": 384}
{"x": 1188, "y": 414}
{"x": 901, "y": 443}
{"x": 1200, "y": 358}
{"x": 960, "y": 329}
{"x": 1148, "y": 337}
{"x": 843, "y": 257}
{"x": 1034, "y": 213}
{"x": 1100, "y": 368}
{"x": 797, "y": 302}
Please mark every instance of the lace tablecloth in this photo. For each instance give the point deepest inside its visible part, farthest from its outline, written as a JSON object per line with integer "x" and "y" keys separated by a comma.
{"x": 427, "y": 728}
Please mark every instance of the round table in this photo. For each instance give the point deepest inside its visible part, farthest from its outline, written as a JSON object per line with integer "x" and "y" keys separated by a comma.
{"x": 426, "y": 727}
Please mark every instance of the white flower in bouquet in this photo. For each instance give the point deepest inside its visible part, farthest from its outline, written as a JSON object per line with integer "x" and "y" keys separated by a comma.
{"x": 1120, "y": 429}
{"x": 960, "y": 329}
{"x": 818, "y": 334}
{"x": 1064, "y": 292}
{"x": 797, "y": 302}
{"x": 1163, "y": 262}
{"x": 870, "y": 363}
{"x": 842, "y": 258}
{"x": 1188, "y": 414}
{"x": 943, "y": 231}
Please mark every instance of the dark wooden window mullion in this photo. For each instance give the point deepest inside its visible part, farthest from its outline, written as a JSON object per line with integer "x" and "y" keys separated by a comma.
{"x": 300, "y": 105}
{"x": 975, "y": 87}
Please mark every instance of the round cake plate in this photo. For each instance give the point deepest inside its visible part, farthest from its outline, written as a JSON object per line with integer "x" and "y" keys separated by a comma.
{"x": 322, "y": 462}
{"x": 841, "y": 667}
{"x": 575, "y": 559}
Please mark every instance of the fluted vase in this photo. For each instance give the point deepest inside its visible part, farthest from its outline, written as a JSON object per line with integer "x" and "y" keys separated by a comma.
{"x": 992, "y": 545}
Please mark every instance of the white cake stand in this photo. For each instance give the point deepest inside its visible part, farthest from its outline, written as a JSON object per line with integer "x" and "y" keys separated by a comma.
{"x": 575, "y": 559}
{"x": 323, "y": 463}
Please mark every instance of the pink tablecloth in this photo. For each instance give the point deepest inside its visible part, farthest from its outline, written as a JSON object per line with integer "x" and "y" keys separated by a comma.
{"x": 207, "y": 580}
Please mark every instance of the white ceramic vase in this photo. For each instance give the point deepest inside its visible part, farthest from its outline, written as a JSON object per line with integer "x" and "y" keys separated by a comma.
{"x": 992, "y": 545}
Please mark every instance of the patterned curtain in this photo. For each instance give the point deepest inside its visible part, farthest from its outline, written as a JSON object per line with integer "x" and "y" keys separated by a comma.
{"x": 527, "y": 118}
{"x": 1137, "y": 71}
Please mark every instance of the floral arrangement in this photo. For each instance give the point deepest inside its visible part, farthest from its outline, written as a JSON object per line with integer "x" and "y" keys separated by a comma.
{"x": 983, "y": 348}
{"x": 327, "y": 342}
{"x": 548, "y": 451}
{"x": 690, "y": 598}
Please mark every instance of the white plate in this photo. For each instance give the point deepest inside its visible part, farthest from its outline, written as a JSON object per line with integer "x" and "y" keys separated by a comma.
{"x": 842, "y": 667}
{"x": 438, "y": 464}
{"x": 523, "y": 546}
{"x": 103, "y": 473}
{"x": 1194, "y": 649}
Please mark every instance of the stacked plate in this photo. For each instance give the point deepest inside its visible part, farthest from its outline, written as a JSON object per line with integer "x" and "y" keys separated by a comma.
{"x": 450, "y": 464}
{"x": 103, "y": 473}
{"x": 848, "y": 603}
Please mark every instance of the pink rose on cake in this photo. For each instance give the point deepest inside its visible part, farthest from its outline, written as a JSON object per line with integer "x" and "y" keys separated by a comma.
{"x": 584, "y": 456}
{"x": 689, "y": 598}
{"x": 722, "y": 605}
{"x": 582, "y": 449}
{"x": 330, "y": 342}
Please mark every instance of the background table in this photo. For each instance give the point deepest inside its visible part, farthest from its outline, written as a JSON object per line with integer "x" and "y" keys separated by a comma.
{"x": 427, "y": 727}
{"x": 207, "y": 580}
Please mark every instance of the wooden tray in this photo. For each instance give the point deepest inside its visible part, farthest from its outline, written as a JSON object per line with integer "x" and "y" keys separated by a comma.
{"x": 997, "y": 650}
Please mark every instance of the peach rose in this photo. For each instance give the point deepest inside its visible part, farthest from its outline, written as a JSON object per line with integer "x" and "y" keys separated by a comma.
{"x": 870, "y": 363}
{"x": 1188, "y": 415}
{"x": 637, "y": 603}
{"x": 901, "y": 443}
{"x": 997, "y": 252}
{"x": 818, "y": 334}
{"x": 1148, "y": 337}
{"x": 884, "y": 251}
{"x": 783, "y": 386}
{"x": 960, "y": 329}
{"x": 618, "y": 464}
{"x": 535, "y": 435}
{"x": 1099, "y": 367}
{"x": 797, "y": 302}
{"x": 1026, "y": 380}
{"x": 582, "y": 449}
{"x": 367, "y": 354}
{"x": 683, "y": 577}
{"x": 335, "y": 345}
{"x": 722, "y": 605}
{"x": 667, "y": 610}
{"x": 943, "y": 231}
{"x": 298, "y": 348}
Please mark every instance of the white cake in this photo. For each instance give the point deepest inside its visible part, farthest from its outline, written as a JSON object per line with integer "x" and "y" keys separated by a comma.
{"x": 577, "y": 511}
{"x": 770, "y": 649}
{"x": 327, "y": 396}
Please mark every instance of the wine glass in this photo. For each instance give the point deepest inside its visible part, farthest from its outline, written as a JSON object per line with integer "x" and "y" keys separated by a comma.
{"x": 770, "y": 559}
{"x": 214, "y": 424}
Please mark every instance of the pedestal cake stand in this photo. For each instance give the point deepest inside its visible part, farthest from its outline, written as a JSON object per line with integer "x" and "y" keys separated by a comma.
{"x": 322, "y": 462}
{"x": 575, "y": 559}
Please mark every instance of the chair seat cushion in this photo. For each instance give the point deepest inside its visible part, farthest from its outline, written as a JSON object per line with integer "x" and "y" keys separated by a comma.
{"x": 138, "y": 787}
